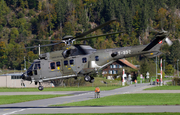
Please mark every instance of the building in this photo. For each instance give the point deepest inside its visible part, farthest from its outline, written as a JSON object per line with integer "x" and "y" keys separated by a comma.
{"x": 14, "y": 81}
{"x": 115, "y": 69}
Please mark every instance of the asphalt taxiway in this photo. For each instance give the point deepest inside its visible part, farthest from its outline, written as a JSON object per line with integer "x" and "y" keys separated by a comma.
{"x": 42, "y": 106}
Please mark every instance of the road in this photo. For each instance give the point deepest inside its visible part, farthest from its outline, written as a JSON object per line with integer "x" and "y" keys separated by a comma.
{"x": 41, "y": 106}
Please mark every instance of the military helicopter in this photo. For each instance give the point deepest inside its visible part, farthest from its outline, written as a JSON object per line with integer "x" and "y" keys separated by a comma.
{"x": 82, "y": 60}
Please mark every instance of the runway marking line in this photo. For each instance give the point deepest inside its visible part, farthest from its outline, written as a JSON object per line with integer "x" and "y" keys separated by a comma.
{"x": 6, "y": 109}
{"x": 14, "y": 112}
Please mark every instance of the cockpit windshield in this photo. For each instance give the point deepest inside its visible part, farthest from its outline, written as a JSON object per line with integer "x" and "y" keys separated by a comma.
{"x": 34, "y": 66}
{"x": 30, "y": 68}
{"x": 37, "y": 66}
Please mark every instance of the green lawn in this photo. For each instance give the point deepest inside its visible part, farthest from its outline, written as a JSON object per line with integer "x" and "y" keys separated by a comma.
{"x": 110, "y": 114}
{"x": 57, "y": 89}
{"x": 9, "y": 99}
{"x": 165, "y": 87}
{"x": 130, "y": 99}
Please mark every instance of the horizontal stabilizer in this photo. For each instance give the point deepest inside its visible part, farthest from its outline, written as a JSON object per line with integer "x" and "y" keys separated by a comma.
{"x": 153, "y": 54}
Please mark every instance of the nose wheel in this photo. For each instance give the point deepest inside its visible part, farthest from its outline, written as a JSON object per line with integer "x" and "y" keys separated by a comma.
{"x": 89, "y": 79}
{"x": 40, "y": 87}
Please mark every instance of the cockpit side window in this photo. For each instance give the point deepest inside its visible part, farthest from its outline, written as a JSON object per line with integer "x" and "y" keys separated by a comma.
{"x": 96, "y": 58}
{"x": 84, "y": 60}
{"x": 52, "y": 65}
{"x": 37, "y": 66}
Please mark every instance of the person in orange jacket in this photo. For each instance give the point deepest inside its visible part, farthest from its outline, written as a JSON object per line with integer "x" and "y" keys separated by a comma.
{"x": 135, "y": 81}
{"x": 97, "y": 92}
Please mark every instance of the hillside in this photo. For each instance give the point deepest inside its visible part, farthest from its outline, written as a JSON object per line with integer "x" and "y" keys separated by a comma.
{"x": 22, "y": 22}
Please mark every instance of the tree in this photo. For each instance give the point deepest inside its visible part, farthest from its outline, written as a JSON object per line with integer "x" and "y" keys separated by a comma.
{"x": 144, "y": 67}
{"x": 169, "y": 69}
{"x": 61, "y": 8}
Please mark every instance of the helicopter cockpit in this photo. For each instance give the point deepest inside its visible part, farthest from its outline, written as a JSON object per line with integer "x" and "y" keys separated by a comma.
{"x": 33, "y": 70}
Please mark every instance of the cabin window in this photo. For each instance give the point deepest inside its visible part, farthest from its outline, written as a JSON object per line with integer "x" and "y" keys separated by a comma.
{"x": 120, "y": 66}
{"x": 58, "y": 64}
{"x": 65, "y": 62}
{"x": 15, "y": 77}
{"x": 116, "y": 66}
{"x": 71, "y": 62}
{"x": 111, "y": 66}
{"x": 110, "y": 71}
{"x": 53, "y": 65}
{"x": 114, "y": 72}
{"x": 84, "y": 60}
{"x": 96, "y": 58}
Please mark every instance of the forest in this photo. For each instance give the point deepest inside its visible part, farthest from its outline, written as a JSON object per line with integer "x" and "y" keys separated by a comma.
{"x": 26, "y": 23}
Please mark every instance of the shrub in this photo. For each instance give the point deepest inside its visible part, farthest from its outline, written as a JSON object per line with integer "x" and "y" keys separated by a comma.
{"x": 176, "y": 81}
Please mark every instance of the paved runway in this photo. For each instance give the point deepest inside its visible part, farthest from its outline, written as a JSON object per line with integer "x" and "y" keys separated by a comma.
{"x": 44, "y": 93}
{"x": 41, "y": 106}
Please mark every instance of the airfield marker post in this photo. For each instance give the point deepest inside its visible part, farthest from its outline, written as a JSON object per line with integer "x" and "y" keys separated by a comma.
{"x": 161, "y": 73}
{"x": 123, "y": 77}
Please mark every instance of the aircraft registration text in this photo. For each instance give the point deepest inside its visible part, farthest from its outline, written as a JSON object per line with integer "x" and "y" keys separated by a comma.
{"x": 124, "y": 52}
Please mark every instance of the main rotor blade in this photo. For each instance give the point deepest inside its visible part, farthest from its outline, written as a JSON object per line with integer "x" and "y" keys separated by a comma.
{"x": 98, "y": 27}
{"x": 44, "y": 45}
{"x": 98, "y": 36}
{"x": 45, "y": 40}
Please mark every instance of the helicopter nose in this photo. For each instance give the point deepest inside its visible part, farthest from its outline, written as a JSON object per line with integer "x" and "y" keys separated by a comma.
{"x": 25, "y": 77}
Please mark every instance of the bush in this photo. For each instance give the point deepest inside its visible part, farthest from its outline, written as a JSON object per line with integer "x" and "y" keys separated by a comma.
{"x": 31, "y": 12}
{"x": 118, "y": 79}
{"x": 176, "y": 81}
{"x": 20, "y": 15}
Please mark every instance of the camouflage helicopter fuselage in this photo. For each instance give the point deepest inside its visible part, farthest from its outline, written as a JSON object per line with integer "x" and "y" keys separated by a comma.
{"x": 83, "y": 60}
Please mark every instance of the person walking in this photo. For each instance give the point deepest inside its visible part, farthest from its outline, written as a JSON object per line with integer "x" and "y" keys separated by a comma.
{"x": 97, "y": 92}
{"x": 135, "y": 81}
{"x": 157, "y": 80}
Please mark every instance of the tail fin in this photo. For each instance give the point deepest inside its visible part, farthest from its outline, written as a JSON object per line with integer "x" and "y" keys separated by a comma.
{"x": 157, "y": 42}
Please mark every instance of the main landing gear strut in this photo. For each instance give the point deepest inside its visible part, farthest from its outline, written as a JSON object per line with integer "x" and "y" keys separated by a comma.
{"x": 40, "y": 87}
{"x": 87, "y": 78}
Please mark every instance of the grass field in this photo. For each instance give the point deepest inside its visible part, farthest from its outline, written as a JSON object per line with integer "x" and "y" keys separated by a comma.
{"x": 9, "y": 99}
{"x": 130, "y": 99}
{"x": 99, "y": 81}
{"x": 112, "y": 114}
{"x": 57, "y": 89}
{"x": 165, "y": 87}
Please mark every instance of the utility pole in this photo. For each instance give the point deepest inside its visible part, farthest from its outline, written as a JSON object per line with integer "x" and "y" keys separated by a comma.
{"x": 177, "y": 68}
{"x": 161, "y": 72}
{"x": 39, "y": 49}
{"x": 24, "y": 63}
{"x": 156, "y": 67}
{"x": 164, "y": 65}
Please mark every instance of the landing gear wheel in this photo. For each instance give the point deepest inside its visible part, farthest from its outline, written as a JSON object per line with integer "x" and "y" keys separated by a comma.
{"x": 40, "y": 88}
{"x": 92, "y": 80}
{"x": 87, "y": 78}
